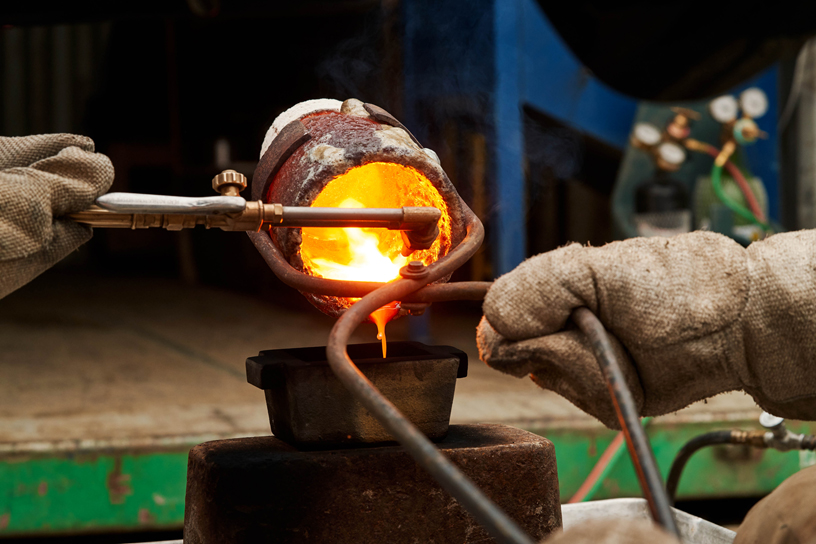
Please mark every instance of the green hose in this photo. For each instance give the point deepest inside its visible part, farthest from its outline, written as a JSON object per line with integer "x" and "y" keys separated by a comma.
{"x": 736, "y": 207}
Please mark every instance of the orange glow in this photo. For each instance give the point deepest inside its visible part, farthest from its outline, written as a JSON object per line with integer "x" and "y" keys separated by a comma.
{"x": 355, "y": 254}
{"x": 371, "y": 254}
{"x": 381, "y": 318}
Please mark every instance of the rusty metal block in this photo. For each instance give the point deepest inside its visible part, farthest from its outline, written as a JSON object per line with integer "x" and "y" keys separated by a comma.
{"x": 254, "y": 490}
{"x": 310, "y": 408}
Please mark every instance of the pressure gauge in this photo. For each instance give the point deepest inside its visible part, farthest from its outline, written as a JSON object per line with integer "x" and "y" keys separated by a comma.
{"x": 754, "y": 103}
{"x": 647, "y": 134}
{"x": 671, "y": 153}
{"x": 724, "y": 109}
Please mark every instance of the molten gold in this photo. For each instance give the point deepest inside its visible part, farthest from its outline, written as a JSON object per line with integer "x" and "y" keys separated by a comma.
{"x": 369, "y": 254}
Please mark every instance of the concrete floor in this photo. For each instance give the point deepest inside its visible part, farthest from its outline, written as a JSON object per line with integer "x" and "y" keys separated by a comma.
{"x": 86, "y": 359}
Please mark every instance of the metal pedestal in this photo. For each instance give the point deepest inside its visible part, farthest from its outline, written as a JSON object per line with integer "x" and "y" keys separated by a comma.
{"x": 264, "y": 490}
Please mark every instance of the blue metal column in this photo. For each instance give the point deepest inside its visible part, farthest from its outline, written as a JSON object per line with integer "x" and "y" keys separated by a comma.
{"x": 763, "y": 156}
{"x": 509, "y": 212}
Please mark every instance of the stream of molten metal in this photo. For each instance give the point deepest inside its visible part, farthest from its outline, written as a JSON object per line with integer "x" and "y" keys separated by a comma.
{"x": 371, "y": 254}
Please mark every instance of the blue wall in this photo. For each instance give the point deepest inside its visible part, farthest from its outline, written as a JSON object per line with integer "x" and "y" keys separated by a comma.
{"x": 534, "y": 67}
{"x": 493, "y": 57}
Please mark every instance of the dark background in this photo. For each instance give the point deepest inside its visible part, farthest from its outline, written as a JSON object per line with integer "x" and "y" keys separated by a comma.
{"x": 159, "y": 85}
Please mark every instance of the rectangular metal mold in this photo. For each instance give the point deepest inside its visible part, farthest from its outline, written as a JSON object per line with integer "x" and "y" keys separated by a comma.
{"x": 310, "y": 408}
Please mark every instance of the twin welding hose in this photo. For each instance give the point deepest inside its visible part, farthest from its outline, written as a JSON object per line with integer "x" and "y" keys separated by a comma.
{"x": 716, "y": 182}
{"x": 750, "y": 199}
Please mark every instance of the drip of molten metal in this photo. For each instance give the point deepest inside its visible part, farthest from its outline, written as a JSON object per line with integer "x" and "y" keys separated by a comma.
{"x": 380, "y": 318}
{"x": 371, "y": 254}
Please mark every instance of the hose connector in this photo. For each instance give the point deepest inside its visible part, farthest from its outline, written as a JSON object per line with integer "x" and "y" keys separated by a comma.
{"x": 779, "y": 437}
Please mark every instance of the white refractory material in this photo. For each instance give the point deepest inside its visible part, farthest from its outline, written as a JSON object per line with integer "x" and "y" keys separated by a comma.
{"x": 296, "y": 112}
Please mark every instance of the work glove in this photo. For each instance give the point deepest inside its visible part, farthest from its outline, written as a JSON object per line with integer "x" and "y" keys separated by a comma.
{"x": 691, "y": 316}
{"x": 786, "y": 516}
{"x": 622, "y": 531}
{"x": 43, "y": 178}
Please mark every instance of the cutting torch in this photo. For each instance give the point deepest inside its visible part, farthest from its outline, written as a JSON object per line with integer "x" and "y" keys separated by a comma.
{"x": 231, "y": 212}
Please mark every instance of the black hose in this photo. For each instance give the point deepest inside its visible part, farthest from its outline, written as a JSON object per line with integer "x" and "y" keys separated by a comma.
{"x": 690, "y": 448}
{"x": 636, "y": 440}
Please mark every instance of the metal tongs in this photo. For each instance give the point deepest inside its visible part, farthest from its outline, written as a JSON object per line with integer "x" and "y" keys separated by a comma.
{"x": 231, "y": 212}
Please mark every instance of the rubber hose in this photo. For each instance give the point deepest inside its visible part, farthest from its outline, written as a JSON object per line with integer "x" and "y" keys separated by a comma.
{"x": 685, "y": 453}
{"x": 737, "y": 208}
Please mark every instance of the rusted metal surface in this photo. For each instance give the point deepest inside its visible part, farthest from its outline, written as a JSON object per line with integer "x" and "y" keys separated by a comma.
{"x": 461, "y": 290}
{"x": 382, "y": 116}
{"x": 264, "y": 490}
{"x": 309, "y": 407}
{"x": 415, "y": 270}
{"x": 339, "y": 141}
{"x": 640, "y": 450}
{"x": 288, "y": 140}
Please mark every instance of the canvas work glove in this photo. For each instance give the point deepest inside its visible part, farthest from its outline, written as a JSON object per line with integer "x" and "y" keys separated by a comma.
{"x": 43, "y": 178}
{"x": 786, "y": 516}
{"x": 691, "y": 316}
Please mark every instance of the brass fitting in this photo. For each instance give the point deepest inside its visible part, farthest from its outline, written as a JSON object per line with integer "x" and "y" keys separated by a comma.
{"x": 679, "y": 128}
{"x": 747, "y": 131}
{"x": 229, "y": 183}
{"x": 727, "y": 150}
{"x": 755, "y": 439}
{"x": 696, "y": 145}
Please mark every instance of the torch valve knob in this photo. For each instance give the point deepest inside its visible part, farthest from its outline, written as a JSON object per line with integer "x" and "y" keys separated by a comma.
{"x": 229, "y": 183}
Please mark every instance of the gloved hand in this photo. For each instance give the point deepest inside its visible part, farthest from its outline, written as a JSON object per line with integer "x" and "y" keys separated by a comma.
{"x": 786, "y": 516}
{"x": 692, "y": 316}
{"x": 43, "y": 178}
{"x": 622, "y": 531}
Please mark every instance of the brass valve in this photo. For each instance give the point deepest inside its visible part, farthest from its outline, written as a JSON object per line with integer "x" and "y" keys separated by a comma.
{"x": 666, "y": 148}
{"x": 738, "y": 130}
{"x": 229, "y": 183}
{"x": 680, "y": 126}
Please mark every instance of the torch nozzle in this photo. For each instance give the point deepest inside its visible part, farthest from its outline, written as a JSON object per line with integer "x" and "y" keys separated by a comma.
{"x": 419, "y": 238}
